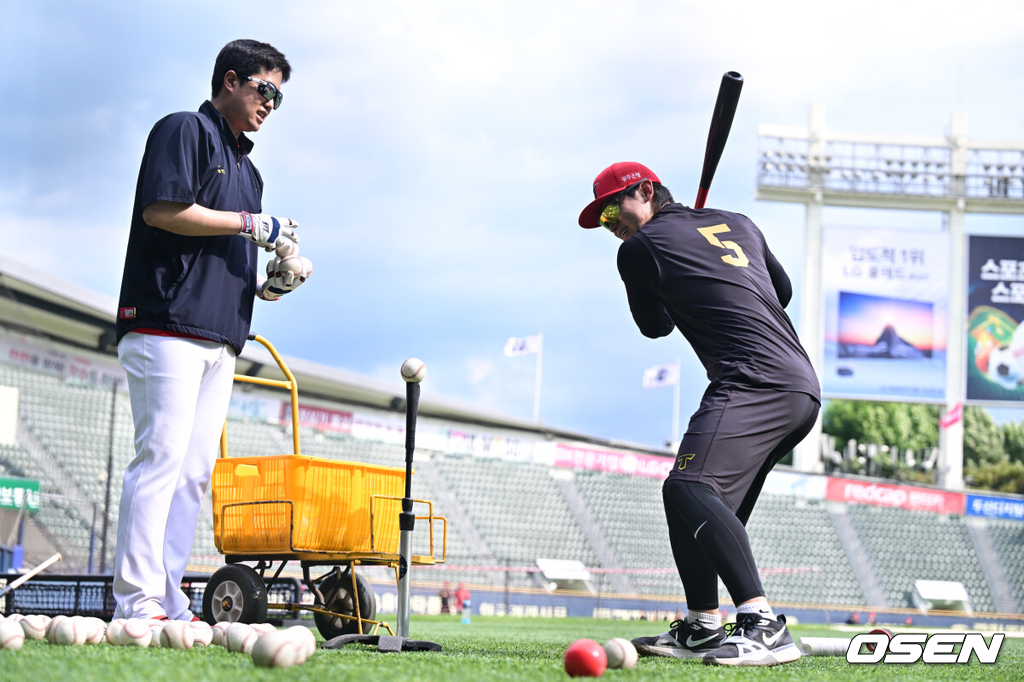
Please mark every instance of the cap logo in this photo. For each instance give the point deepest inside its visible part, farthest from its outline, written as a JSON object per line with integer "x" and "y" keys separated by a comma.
{"x": 631, "y": 176}
{"x": 595, "y": 189}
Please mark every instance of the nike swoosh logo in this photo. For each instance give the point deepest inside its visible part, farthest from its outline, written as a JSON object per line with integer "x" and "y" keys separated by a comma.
{"x": 691, "y": 642}
{"x": 698, "y": 530}
{"x": 770, "y": 641}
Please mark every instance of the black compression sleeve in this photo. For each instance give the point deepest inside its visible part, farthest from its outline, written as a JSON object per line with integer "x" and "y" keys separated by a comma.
{"x": 783, "y": 287}
{"x": 639, "y": 273}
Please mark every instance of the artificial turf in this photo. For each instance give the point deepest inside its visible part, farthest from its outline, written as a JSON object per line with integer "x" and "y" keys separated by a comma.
{"x": 493, "y": 648}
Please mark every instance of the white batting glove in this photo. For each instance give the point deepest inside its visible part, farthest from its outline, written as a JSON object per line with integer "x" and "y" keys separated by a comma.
{"x": 285, "y": 275}
{"x": 267, "y": 231}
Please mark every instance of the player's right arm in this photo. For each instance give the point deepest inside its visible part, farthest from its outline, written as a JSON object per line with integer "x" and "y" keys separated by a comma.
{"x": 639, "y": 272}
{"x": 780, "y": 280}
{"x": 180, "y": 161}
{"x": 194, "y": 220}
{"x": 191, "y": 220}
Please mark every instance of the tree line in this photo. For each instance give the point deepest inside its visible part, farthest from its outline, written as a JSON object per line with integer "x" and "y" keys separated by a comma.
{"x": 993, "y": 454}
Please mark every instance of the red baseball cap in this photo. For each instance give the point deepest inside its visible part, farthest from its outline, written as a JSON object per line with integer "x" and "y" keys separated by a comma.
{"x": 612, "y": 180}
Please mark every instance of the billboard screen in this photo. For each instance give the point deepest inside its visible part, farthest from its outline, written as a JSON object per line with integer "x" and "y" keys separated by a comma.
{"x": 995, "y": 319}
{"x": 886, "y": 302}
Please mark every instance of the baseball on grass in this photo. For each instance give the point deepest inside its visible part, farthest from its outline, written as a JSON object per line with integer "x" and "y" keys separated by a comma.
{"x": 155, "y": 628}
{"x": 279, "y": 649}
{"x": 585, "y": 658}
{"x": 262, "y": 628}
{"x": 240, "y": 638}
{"x": 135, "y": 632}
{"x": 219, "y": 633}
{"x": 11, "y": 635}
{"x": 308, "y": 639}
{"x": 97, "y": 630}
{"x": 114, "y": 631}
{"x": 177, "y": 634}
{"x": 202, "y": 632}
{"x": 620, "y": 653}
{"x": 414, "y": 371}
{"x": 34, "y": 627}
{"x": 51, "y": 627}
{"x": 70, "y": 631}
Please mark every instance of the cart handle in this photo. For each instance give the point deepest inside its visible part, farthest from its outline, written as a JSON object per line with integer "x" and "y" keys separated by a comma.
{"x": 429, "y": 518}
{"x": 290, "y": 384}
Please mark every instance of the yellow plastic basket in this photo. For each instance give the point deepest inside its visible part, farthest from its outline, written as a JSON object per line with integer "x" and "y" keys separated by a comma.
{"x": 292, "y": 503}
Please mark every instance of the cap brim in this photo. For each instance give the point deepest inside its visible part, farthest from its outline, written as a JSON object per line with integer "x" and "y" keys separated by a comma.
{"x": 590, "y": 217}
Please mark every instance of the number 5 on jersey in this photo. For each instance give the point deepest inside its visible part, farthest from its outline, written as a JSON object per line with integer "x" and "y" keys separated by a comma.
{"x": 737, "y": 257}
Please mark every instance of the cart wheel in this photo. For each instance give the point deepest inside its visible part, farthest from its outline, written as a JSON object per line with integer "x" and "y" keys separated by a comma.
{"x": 338, "y": 598}
{"x": 235, "y": 593}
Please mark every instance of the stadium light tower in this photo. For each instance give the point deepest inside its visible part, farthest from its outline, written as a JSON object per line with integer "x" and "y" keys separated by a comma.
{"x": 948, "y": 174}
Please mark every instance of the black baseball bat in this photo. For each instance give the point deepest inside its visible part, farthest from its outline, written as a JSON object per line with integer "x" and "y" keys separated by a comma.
{"x": 721, "y": 122}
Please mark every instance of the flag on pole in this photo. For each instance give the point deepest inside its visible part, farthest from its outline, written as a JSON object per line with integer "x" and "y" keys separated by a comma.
{"x": 523, "y": 346}
{"x": 661, "y": 375}
{"x": 951, "y": 417}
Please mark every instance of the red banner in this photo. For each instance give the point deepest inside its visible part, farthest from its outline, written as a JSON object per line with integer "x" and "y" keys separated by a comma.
{"x": 319, "y": 418}
{"x": 613, "y": 462}
{"x": 897, "y": 496}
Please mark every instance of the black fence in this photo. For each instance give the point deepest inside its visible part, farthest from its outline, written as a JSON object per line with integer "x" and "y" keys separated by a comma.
{"x": 93, "y": 595}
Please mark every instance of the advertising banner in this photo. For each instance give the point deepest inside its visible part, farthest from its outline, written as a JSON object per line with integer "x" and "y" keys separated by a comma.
{"x": 15, "y": 492}
{"x": 798, "y": 485}
{"x": 633, "y": 464}
{"x": 897, "y": 496}
{"x": 320, "y": 418}
{"x": 995, "y": 319}
{"x": 995, "y": 507}
{"x": 40, "y": 357}
{"x": 886, "y": 306}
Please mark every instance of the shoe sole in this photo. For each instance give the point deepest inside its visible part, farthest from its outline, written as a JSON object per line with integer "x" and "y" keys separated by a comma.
{"x": 784, "y": 654}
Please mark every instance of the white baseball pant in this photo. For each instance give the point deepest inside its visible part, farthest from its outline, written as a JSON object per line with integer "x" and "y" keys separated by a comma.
{"x": 180, "y": 389}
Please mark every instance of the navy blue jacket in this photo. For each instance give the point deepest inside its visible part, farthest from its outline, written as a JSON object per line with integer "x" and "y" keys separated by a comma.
{"x": 197, "y": 286}
{"x": 710, "y": 273}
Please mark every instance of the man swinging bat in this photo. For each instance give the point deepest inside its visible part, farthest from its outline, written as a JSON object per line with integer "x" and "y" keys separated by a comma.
{"x": 709, "y": 273}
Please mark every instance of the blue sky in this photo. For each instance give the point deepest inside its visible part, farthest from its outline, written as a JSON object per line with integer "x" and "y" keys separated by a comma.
{"x": 436, "y": 156}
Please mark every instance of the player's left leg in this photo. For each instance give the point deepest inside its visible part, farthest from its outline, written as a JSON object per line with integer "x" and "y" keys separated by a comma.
{"x": 759, "y": 637}
{"x": 701, "y": 630}
{"x": 194, "y": 478}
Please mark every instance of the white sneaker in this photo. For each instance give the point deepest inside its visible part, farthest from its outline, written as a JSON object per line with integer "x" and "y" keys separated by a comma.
{"x": 755, "y": 640}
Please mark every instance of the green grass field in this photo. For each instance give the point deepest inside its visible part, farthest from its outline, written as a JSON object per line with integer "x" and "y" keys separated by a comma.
{"x": 487, "y": 649}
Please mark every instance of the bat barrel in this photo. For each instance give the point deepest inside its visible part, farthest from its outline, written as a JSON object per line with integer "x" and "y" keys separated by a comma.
{"x": 718, "y": 134}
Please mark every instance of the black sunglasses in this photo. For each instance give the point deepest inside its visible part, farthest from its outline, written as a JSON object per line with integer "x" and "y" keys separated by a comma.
{"x": 267, "y": 91}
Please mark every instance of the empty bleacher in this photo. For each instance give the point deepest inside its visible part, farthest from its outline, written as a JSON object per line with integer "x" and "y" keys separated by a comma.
{"x": 906, "y": 545}
{"x": 630, "y": 513}
{"x": 799, "y": 553}
{"x": 1008, "y": 537}
{"x": 517, "y": 510}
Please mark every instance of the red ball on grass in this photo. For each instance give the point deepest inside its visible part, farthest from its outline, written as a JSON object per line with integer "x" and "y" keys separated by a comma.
{"x": 585, "y": 658}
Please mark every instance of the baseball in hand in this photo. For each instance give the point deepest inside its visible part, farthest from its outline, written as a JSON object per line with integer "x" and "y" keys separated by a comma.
{"x": 286, "y": 247}
{"x": 414, "y": 371}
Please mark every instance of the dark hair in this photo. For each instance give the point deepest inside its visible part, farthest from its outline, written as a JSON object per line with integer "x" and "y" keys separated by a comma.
{"x": 662, "y": 197}
{"x": 246, "y": 57}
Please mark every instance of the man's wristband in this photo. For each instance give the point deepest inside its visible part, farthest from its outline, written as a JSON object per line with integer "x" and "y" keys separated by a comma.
{"x": 247, "y": 222}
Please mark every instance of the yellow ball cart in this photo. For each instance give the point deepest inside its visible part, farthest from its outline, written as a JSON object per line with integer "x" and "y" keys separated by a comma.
{"x": 318, "y": 512}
